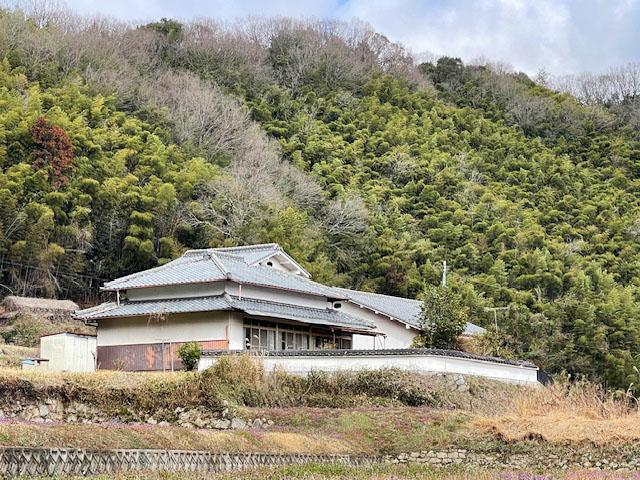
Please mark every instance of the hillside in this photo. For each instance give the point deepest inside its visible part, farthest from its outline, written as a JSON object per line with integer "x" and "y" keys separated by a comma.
{"x": 122, "y": 146}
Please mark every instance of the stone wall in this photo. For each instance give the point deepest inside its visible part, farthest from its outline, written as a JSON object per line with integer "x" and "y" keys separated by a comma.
{"x": 547, "y": 458}
{"x": 54, "y": 410}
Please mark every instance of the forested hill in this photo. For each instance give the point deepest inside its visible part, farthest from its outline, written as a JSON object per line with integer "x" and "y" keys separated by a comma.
{"x": 122, "y": 146}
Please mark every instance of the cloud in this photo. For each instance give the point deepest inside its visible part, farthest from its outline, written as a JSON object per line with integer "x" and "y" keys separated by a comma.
{"x": 562, "y": 36}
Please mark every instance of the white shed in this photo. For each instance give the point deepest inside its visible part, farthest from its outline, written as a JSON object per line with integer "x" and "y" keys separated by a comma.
{"x": 69, "y": 352}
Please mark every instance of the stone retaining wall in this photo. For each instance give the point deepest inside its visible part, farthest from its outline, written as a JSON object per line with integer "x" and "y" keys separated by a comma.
{"x": 29, "y": 462}
{"x": 55, "y": 410}
{"x": 560, "y": 459}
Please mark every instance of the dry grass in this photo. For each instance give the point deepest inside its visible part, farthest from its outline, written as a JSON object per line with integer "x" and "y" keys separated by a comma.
{"x": 112, "y": 436}
{"x": 237, "y": 382}
{"x": 581, "y": 412}
{"x": 10, "y": 355}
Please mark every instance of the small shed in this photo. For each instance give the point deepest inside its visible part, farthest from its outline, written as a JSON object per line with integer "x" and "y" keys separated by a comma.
{"x": 45, "y": 307}
{"x": 69, "y": 352}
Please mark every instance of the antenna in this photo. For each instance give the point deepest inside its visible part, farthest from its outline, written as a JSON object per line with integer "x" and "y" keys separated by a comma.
{"x": 495, "y": 311}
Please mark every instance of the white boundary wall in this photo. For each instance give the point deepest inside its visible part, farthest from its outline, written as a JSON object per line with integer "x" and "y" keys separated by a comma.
{"x": 300, "y": 364}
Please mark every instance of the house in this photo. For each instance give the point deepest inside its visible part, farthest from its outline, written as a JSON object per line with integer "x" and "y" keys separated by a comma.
{"x": 240, "y": 298}
{"x": 56, "y": 310}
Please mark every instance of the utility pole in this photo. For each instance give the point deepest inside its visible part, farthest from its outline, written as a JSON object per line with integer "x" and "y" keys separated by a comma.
{"x": 495, "y": 311}
{"x": 444, "y": 273}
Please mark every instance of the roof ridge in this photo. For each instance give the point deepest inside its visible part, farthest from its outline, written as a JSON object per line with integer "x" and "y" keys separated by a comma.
{"x": 241, "y": 247}
{"x": 218, "y": 263}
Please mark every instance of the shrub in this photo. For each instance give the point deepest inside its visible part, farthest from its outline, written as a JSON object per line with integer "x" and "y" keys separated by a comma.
{"x": 189, "y": 353}
{"x": 443, "y": 319}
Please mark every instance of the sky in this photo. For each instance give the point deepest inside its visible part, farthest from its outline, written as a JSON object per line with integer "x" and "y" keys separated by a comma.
{"x": 559, "y": 36}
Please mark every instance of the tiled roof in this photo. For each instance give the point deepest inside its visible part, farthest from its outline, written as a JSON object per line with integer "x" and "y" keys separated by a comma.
{"x": 155, "y": 307}
{"x": 180, "y": 271}
{"x": 324, "y": 316}
{"x": 240, "y": 272}
{"x": 252, "y": 254}
{"x": 201, "y": 266}
{"x": 404, "y": 309}
{"x": 262, "y": 308}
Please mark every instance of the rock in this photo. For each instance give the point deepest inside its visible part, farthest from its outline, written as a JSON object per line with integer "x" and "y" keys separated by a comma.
{"x": 152, "y": 421}
{"x": 164, "y": 423}
{"x": 200, "y": 422}
{"x": 257, "y": 424}
{"x": 238, "y": 423}
{"x": 221, "y": 424}
{"x": 43, "y": 410}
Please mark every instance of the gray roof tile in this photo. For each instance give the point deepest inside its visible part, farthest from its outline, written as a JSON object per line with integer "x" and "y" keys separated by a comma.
{"x": 250, "y": 254}
{"x": 201, "y": 266}
{"x": 179, "y": 271}
{"x": 263, "y": 308}
{"x": 318, "y": 316}
{"x": 155, "y": 307}
{"x": 404, "y": 309}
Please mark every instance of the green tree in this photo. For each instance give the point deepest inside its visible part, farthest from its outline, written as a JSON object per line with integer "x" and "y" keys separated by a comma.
{"x": 443, "y": 318}
{"x": 190, "y": 354}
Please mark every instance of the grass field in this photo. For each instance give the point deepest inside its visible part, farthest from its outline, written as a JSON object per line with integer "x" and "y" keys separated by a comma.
{"x": 10, "y": 355}
{"x": 562, "y": 413}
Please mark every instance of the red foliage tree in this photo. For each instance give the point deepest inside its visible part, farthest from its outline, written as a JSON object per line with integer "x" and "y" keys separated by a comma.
{"x": 53, "y": 150}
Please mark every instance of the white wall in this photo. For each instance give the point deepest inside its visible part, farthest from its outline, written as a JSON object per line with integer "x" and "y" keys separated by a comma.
{"x": 176, "y": 291}
{"x": 68, "y": 352}
{"x": 176, "y": 328}
{"x": 397, "y": 335}
{"x": 420, "y": 363}
{"x": 275, "y": 264}
{"x": 278, "y": 295}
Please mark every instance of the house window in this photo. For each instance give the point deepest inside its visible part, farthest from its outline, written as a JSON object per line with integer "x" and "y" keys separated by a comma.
{"x": 294, "y": 341}
{"x": 331, "y": 343}
{"x": 267, "y": 335}
{"x": 260, "y": 338}
{"x": 264, "y": 335}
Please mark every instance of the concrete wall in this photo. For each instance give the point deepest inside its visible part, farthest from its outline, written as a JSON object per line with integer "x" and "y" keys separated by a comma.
{"x": 68, "y": 352}
{"x": 397, "y": 334}
{"x": 178, "y": 328}
{"x": 420, "y": 363}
